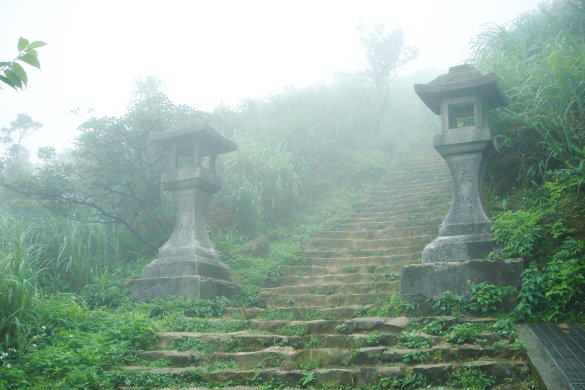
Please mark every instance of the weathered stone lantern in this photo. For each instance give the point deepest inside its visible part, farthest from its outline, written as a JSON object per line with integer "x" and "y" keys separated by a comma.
{"x": 188, "y": 265}
{"x": 462, "y": 98}
{"x": 457, "y": 257}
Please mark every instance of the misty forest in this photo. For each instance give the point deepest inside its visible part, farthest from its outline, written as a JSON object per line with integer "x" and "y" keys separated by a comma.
{"x": 328, "y": 196}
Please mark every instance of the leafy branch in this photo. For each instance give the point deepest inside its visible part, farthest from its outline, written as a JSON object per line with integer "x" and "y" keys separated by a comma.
{"x": 14, "y": 74}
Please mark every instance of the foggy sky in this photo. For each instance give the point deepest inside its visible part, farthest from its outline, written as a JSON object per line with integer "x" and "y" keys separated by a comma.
{"x": 212, "y": 52}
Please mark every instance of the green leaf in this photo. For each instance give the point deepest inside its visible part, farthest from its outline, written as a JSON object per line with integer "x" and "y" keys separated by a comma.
{"x": 22, "y": 43}
{"x": 31, "y": 60}
{"x": 12, "y": 76}
{"x": 20, "y": 72}
{"x": 36, "y": 44}
{"x": 7, "y": 81}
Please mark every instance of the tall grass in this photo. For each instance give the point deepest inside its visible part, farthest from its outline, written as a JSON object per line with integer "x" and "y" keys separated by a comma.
{"x": 44, "y": 256}
{"x": 541, "y": 60}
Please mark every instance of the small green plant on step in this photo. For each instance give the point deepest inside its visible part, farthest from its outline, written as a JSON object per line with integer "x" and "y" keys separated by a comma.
{"x": 472, "y": 379}
{"x": 487, "y": 298}
{"x": 293, "y": 330}
{"x": 450, "y": 304}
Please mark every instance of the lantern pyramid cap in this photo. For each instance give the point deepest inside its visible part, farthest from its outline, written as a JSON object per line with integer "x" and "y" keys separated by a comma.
{"x": 462, "y": 80}
{"x": 192, "y": 131}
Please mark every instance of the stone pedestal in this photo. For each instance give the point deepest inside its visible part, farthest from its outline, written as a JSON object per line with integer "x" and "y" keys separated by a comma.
{"x": 188, "y": 265}
{"x": 466, "y": 231}
{"x": 419, "y": 282}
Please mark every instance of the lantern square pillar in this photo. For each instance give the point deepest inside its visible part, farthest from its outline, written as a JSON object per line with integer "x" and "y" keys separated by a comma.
{"x": 187, "y": 264}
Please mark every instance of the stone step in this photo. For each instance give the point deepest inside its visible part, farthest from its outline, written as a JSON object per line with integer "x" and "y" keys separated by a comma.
{"x": 329, "y": 289}
{"x": 412, "y": 250}
{"x": 407, "y": 218}
{"x": 363, "y": 244}
{"x": 434, "y": 219}
{"x": 400, "y": 212}
{"x": 400, "y": 204}
{"x": 301, "y": 313}
{"x": 247, "y": 342}
{"x": 370, "y": 262}
{"x": 325, "y": 300}
{"x": 325, "y": 279}
{"x": 305, "y": 270}
{"x": 353, "y": 377}
{"x": 386, "y": 185}
{"x": 289, "y": 358}
{"x": 376, "y": 234}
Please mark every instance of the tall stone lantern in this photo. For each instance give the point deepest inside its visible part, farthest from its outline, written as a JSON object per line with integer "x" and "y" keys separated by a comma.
{"x": 188, "y": 265}
{"x": 457, "y": 257}
{"x": 462, "y": 98}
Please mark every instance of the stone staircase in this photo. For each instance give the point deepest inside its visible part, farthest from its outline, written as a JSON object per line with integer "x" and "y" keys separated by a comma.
{"x": 331, "y": 322}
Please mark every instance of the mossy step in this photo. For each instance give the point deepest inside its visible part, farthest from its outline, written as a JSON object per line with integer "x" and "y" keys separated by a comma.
{"x": 336, "y": 269}
{"x": 433, "y": 219}
{"x": 376, "y": 234}
{"x": 412, "y": 250}
{"x": 404, "y": 212}
{"x": 289, "y": 358}
{"x": 438, "y": 374}
{"x": 244, "y": 341}
{"x": 354, "y": 325}
{"x": 324, "y": 300}
{"x": 364, "y": 244}
{"x": 324, "y": 279}
{"x": 431, "y": 202}
{"x": 388, "y": 185}
{"x": 330, "y": 288}
{"x": 371, "y": 262}
{"x": 398, "y": 217}
{"x": 300, "y": 313}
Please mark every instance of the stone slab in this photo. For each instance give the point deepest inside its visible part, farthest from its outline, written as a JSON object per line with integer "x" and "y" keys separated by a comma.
{"x": 419, "y": 282}
{"x": 459, "y": 248}
{"x": 193, "y": 286}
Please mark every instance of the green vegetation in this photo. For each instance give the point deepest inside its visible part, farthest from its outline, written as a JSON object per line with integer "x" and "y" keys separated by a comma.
{"x": 537, "y": 183}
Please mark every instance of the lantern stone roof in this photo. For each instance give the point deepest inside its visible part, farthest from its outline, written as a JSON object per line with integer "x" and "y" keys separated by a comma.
{"x": 191, "y": 131}
{"x": 462, "y": 80}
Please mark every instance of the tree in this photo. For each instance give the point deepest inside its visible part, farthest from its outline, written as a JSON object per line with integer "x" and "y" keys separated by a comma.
{"x": 14, "y": 74}
{"x": 386, "y": 55}
{"x": 113, "y": 175}
{"x": 11, "y": 139}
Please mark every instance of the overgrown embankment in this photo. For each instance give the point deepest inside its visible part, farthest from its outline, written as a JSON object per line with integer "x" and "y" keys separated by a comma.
{"x": 537, "y": 185}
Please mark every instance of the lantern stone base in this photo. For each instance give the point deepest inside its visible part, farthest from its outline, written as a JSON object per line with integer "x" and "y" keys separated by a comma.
{"x": 187, "y": 265}
{"x": 192, "y": 286}
{"x": 459, "y": 248}
{"x": 419, "y": 282}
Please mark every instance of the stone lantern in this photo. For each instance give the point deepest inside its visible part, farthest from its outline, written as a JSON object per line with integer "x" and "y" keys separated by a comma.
{"x": 457, "y": 257}
{"x": 462, "y": 98}
{"x": 188, "y": 265}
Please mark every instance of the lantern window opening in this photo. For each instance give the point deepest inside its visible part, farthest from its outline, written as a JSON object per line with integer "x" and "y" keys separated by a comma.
{"x": 461, "y": 115}
{"x": 184, "y": 157}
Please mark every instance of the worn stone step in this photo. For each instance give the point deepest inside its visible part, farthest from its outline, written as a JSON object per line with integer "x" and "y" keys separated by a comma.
{"x": 403, "y": 202}
{"x": 324, "y": 279}
{"x": 355, "y": 377}
{"x": 400, "y": 212}
{"x": 386, "y": 185}
{"x": 368, "y": 225}
{"x": 364, "y": 244}
{"x": 413, "y": 250}
{"x": 301, "y": 313}
{"x": 381, "y": 234}
{"x": 323, "y": 300}
{"x": 289, "y": 358}
{"x": 330, "y": 289}
{"x": 371, "y": 262}
{"x": 336, "y": 269}
{"x": 406, "y": 218}
{"x": 246, "y": 342}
